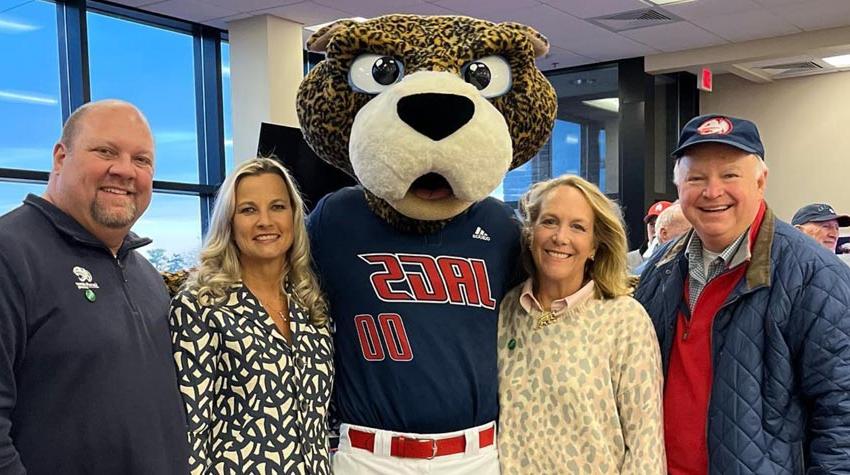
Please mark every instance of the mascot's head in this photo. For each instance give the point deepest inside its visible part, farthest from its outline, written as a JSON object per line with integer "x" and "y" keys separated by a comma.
{"x": 427, "y": 113}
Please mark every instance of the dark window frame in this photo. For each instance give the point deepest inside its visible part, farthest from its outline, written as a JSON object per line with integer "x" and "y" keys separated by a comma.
{"x": 75, "y": 91}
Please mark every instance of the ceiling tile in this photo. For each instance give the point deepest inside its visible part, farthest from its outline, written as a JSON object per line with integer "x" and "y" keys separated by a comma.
{"x": 250, "y": 5}
{"x": 223, "y": 23}
{"x": 555, "y": 24}
{"x": 193, "y": 10}
{"x": 706, "y": 8}
{"x": 775, "y": 3}
{"x": 476, "y": 7}
{"x": 134, "y": 3}
{"x": 560, "y": 58}
{"x": 590, "y": 9}
{"x": 816, "y": 14}
{"x": 674, "y": 36}
{"x": 496, "y": 10}
{"x": 747, "y": 26}
{"x": 371, "y": 8}
{"x": 307, "y": 13}
{"x": 429, "y": 9}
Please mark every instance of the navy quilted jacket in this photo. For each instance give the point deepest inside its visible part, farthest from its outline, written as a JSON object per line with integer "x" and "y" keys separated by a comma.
{"x": 780, "y": 400}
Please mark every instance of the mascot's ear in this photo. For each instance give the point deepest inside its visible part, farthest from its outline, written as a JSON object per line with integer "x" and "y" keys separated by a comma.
{"x": 318, "y": 41}
{"x": 538, "y": 41}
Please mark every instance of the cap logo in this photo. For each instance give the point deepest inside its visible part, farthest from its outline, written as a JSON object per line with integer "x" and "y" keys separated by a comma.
{"x": 659, "y": 207}
{"x": 715, "y": 126}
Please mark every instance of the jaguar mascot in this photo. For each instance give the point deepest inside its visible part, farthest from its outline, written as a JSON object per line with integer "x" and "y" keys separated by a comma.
{"x": 428, "y": 114}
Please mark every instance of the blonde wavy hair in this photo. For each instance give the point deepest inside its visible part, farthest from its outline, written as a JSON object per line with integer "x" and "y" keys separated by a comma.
{"x": 608, "y": 268}
{"x": 218, "y": 268}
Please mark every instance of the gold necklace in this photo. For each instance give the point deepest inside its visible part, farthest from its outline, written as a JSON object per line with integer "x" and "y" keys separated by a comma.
{"x": 546, "y": 318}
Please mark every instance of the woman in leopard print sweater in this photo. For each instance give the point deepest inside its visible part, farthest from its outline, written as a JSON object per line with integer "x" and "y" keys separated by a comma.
{"x": 579, "y": 365}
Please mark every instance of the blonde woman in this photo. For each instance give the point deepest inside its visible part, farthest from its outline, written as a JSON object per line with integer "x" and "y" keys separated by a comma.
{"x": 579, "y": 366}
{"x": 250, "y": 335}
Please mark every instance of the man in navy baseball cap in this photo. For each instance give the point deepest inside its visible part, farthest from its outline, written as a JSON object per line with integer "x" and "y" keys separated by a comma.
{"x": 820, "y": 221}
{"x": 747, "y": 312}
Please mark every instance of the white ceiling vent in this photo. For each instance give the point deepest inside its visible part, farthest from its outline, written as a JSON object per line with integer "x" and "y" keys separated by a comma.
{"x": 767, "y": 70}
{"x": 784, "y": 69}
{"x": 634, "y": 19}
{"x": 796, "y": 67}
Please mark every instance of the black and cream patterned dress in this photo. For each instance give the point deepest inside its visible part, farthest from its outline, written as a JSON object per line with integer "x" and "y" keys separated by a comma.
{"x": 254, "y": 403}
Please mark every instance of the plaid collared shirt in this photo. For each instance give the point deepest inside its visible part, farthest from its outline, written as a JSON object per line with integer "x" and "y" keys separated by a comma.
{"x": 698, "y": 278}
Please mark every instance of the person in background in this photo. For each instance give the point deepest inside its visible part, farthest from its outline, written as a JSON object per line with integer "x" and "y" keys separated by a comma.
{"x": 671, "y": 224}
{"x": 820, "y": 222}
{"x": 579, "y": 366}
{"x": 753, "y": 320}
{"x": 251, "y": 341}
{"x": 87, "y": 382}
{"x": 636, "y": 257}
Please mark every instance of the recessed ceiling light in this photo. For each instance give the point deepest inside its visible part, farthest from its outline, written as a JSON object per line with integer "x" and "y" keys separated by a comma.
{"x": 611, "y": 104}
{"x": 582, "y": 81}
{"x": 839, "y": 61}
{"x": 668, "y": 2}
{"x": 320, "y": 26}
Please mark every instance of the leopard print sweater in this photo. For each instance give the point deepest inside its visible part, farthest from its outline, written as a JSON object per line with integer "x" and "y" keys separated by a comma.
{"x": 581, "y": 395}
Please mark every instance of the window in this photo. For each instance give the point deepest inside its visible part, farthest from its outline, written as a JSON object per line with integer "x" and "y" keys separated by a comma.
{"x": 225, "y": 106}
{"x": 154, "y": 69}
{"x": 12, "y": 194}
{"x": 173, "y": 222}
{"x": 585, "y": 131}
{"x": 167, "y": 67}
{"x": 29, "y": 85}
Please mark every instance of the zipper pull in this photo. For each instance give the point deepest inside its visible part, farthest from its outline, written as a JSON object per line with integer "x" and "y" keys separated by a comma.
{"x": 686, "y": 332}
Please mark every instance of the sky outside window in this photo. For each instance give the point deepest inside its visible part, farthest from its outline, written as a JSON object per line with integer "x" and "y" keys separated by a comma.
{"x": 226, "y": 109}
{"x": 29, "y": 84}
{"x": 152, "y": 68}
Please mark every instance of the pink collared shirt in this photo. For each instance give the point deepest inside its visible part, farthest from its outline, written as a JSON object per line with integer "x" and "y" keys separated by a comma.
{"x": 529, "y": 302}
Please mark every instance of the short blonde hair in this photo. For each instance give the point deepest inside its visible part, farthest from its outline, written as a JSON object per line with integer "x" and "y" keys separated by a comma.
{"x": 608, "y": 269}
{"x": 219, "y": 261}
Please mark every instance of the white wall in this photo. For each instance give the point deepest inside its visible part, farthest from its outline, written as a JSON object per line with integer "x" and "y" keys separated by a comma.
{"x": 805, "y": 127}
{"x": 267, "y": 65}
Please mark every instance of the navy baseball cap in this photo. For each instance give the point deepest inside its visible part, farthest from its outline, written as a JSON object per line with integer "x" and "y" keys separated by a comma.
{"x": 739, "y": 133}
{"x": 818, "y": 213}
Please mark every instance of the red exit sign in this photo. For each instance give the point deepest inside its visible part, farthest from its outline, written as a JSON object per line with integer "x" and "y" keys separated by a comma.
{"x": 704, "y": 80}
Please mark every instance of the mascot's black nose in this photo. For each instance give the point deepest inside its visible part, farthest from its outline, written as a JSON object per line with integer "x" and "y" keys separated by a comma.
{"x": 435, "y": 115}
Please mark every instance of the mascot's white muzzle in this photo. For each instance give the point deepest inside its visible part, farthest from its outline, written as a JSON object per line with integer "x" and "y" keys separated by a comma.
{"x": 430, "y": 123}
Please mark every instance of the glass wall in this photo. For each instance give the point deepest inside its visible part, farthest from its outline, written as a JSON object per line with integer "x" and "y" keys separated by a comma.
{"x": 584, "y": 139}
{"x": 226, "y": 106}
{"x": 152, "y": 68}
{"x": 29, "y": 85}
{"x": 159, "y": 64}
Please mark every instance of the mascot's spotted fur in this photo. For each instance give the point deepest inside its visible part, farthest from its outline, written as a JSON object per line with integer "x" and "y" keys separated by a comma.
{"x": 428, "y": 114}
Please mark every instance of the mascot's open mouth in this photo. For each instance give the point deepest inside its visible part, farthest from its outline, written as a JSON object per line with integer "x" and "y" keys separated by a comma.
{"x": 431, "y": 186}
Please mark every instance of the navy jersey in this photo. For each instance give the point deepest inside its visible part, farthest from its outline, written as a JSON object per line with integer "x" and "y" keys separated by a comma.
{"x": 415, "y": 316}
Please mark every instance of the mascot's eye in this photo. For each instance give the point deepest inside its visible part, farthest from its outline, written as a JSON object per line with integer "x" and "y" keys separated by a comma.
{"x": 372, "y": 73}
{"x": 491, "y": 75}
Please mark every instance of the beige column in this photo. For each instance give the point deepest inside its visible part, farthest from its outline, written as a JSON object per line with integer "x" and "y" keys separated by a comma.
{"x": 266, "y": 67}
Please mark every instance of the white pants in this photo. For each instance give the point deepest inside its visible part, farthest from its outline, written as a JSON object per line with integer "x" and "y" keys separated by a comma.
{"x": 475, "y": 460}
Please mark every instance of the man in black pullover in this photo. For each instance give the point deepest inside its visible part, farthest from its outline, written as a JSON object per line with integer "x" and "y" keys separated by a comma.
{"x": 87, "y": 381}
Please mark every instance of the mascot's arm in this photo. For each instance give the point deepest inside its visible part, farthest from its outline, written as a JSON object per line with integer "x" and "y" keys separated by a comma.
{"x": 196, "y": 351}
